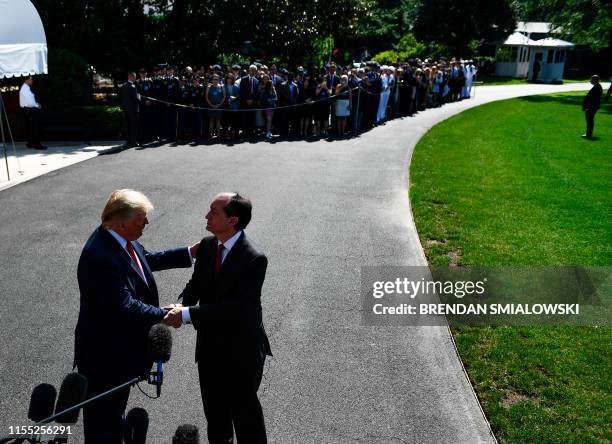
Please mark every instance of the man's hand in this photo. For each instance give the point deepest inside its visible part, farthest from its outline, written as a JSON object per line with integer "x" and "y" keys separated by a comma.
{"x": 172, "y": 306}
{"x": 194, "y": 250}
{"x": 174, "y": 318}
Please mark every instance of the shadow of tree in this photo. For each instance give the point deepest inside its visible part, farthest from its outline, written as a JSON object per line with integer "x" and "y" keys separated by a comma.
{"x": 567, "y": 99}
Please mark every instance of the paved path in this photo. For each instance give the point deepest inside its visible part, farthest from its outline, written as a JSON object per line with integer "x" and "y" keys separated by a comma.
{"x": 321, "y": 211}
{"x": 25, "y": 164}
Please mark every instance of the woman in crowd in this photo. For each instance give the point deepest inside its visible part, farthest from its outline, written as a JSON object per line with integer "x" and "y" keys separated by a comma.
{"x": 322, "y": 95}
{"x": 305, "y": 97}
{"x": 268, "y": 99}
{"x": 215, "y": 98}
{"x": 344, "y": 102}
{"x": 232, "y": 95}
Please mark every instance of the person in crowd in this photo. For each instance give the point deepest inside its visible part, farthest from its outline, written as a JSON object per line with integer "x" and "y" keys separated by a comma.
{"x": 196, "y": 102}
{"x": 31, "y": 110}
{"x": 144, "y": 87}
{"x": 249, "y": 95}
{"x": 590, "y": 105}
{"x": 172, "y": 96}
{"x": 215, "y": 98}
{"x": 160, "y": 92}
{"x": 384, "y": 96}
{"x": 305, "y": 98}
{"x": 344, "y": 102}
{"x": 268, "y": 100}
{"x": 322, "y": 97}
{"x": 288, "y": 94}
{"x": 232, "y": 97}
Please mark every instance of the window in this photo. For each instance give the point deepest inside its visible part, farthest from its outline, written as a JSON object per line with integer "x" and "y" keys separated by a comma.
{"x": 551, "y": 53}
{"x": 559, "y": 56}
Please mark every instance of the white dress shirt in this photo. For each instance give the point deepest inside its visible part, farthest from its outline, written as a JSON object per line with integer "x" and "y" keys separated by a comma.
{"x": 228, "y": 244}
{"x": 26, "y": 97}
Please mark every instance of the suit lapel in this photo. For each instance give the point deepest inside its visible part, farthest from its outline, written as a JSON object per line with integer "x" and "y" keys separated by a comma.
{"x": 127, "y": 260}
{"x": 145, "y": 268}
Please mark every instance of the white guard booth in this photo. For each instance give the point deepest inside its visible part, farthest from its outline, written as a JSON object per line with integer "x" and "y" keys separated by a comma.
{"x": 23, "y": 51}
{"x": 531, "y": 41}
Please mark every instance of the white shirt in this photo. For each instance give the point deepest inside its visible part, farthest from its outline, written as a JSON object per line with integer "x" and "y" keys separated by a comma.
{"x": 26, "y": 97}
{"x": 228, "y": 244}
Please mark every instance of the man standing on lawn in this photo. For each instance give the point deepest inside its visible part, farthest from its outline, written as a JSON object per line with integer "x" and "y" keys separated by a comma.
{"x": 591, "y": 104}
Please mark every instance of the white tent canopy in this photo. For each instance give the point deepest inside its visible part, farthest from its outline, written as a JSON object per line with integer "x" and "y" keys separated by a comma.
{"x": 23, "y": 45}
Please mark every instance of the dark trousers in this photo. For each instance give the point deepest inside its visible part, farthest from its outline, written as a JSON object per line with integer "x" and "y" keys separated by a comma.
{"x": 147, "y": 122}
{"x": 229, "y": 396}
{"x": 32, "y": 123}
{"x": 103, "y": 420}
{"x": 589, "y": 114}
{"x": 131, "y": 127}
{"x": 248, "y": 121}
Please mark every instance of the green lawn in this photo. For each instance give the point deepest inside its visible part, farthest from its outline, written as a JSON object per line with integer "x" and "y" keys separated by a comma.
{"x": 512, "y": 183}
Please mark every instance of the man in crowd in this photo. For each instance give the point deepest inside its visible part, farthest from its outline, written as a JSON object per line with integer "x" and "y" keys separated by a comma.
{"x": 249, "y": 94}
{"x": 119, "y": 304}
{"x": 232, "y": 344}
{"x": 31, "y": 109}
{"x": 590, "y": 105}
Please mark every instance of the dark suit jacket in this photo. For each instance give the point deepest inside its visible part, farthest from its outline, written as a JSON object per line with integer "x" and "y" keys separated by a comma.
{"x": 592, "y": 101}
{"x": 245, "y": 90}
{"x": 117, "y": 307}
{"x": 128, "y": 98}
{"x": 228, "y": 318}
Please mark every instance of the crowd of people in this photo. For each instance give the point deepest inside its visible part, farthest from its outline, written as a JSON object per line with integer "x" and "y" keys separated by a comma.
{"x": 256, "y": 101}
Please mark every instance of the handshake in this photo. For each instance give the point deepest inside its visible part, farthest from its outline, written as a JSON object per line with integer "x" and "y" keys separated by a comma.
{"x": 174, "y": 315}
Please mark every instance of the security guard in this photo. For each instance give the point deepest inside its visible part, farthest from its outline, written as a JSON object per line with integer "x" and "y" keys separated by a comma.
{"x": 144, "y": 86}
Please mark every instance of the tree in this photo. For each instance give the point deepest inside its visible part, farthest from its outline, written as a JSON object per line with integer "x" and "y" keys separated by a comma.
{"x": 383, "y": 24}
{"x": 407, "y": 48}
{"x": 463, "y": 25}
{"x": 586, "y": 22}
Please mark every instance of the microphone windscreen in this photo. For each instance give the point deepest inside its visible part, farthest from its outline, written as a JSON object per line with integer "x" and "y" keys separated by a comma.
{"x": 186, "y": 434}
{"x": 136, "y": 426}
{"x": 72, "y": 392}
{"x": 160, "y": 343}
{"x": 42, "y": 402}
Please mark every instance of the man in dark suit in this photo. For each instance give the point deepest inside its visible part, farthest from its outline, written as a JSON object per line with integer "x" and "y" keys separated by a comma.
{"x": 130, "y": 100}
{"x": 590, "y": 105}
{"x": 249, "y": 95}
{"x": 231, "y": 340}
{"x": 119, "y": 304}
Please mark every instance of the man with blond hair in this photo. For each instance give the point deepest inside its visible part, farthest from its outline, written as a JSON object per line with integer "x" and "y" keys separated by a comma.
{"x": 119, "y": 304}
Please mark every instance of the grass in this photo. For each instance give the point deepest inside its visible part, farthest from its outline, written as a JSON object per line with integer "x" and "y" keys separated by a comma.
{"x": 512, "y": 183}
{"x": 489, "y": 80}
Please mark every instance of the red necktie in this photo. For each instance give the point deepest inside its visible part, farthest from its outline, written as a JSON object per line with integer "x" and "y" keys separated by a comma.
{"x": 130, "y": 250}
{"x": 219, "y": 258}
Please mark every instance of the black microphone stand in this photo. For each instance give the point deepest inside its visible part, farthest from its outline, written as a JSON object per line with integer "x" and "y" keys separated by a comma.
{"x": 150, "y": 377}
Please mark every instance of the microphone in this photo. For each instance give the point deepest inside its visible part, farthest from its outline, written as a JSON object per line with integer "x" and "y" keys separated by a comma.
{"x": 42, "y": 402}
{"x": 160, "y": 346}
{"x": 136, "y": 426}
{"x": 72, "y": 392}
{"x": 186, "y": 434}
